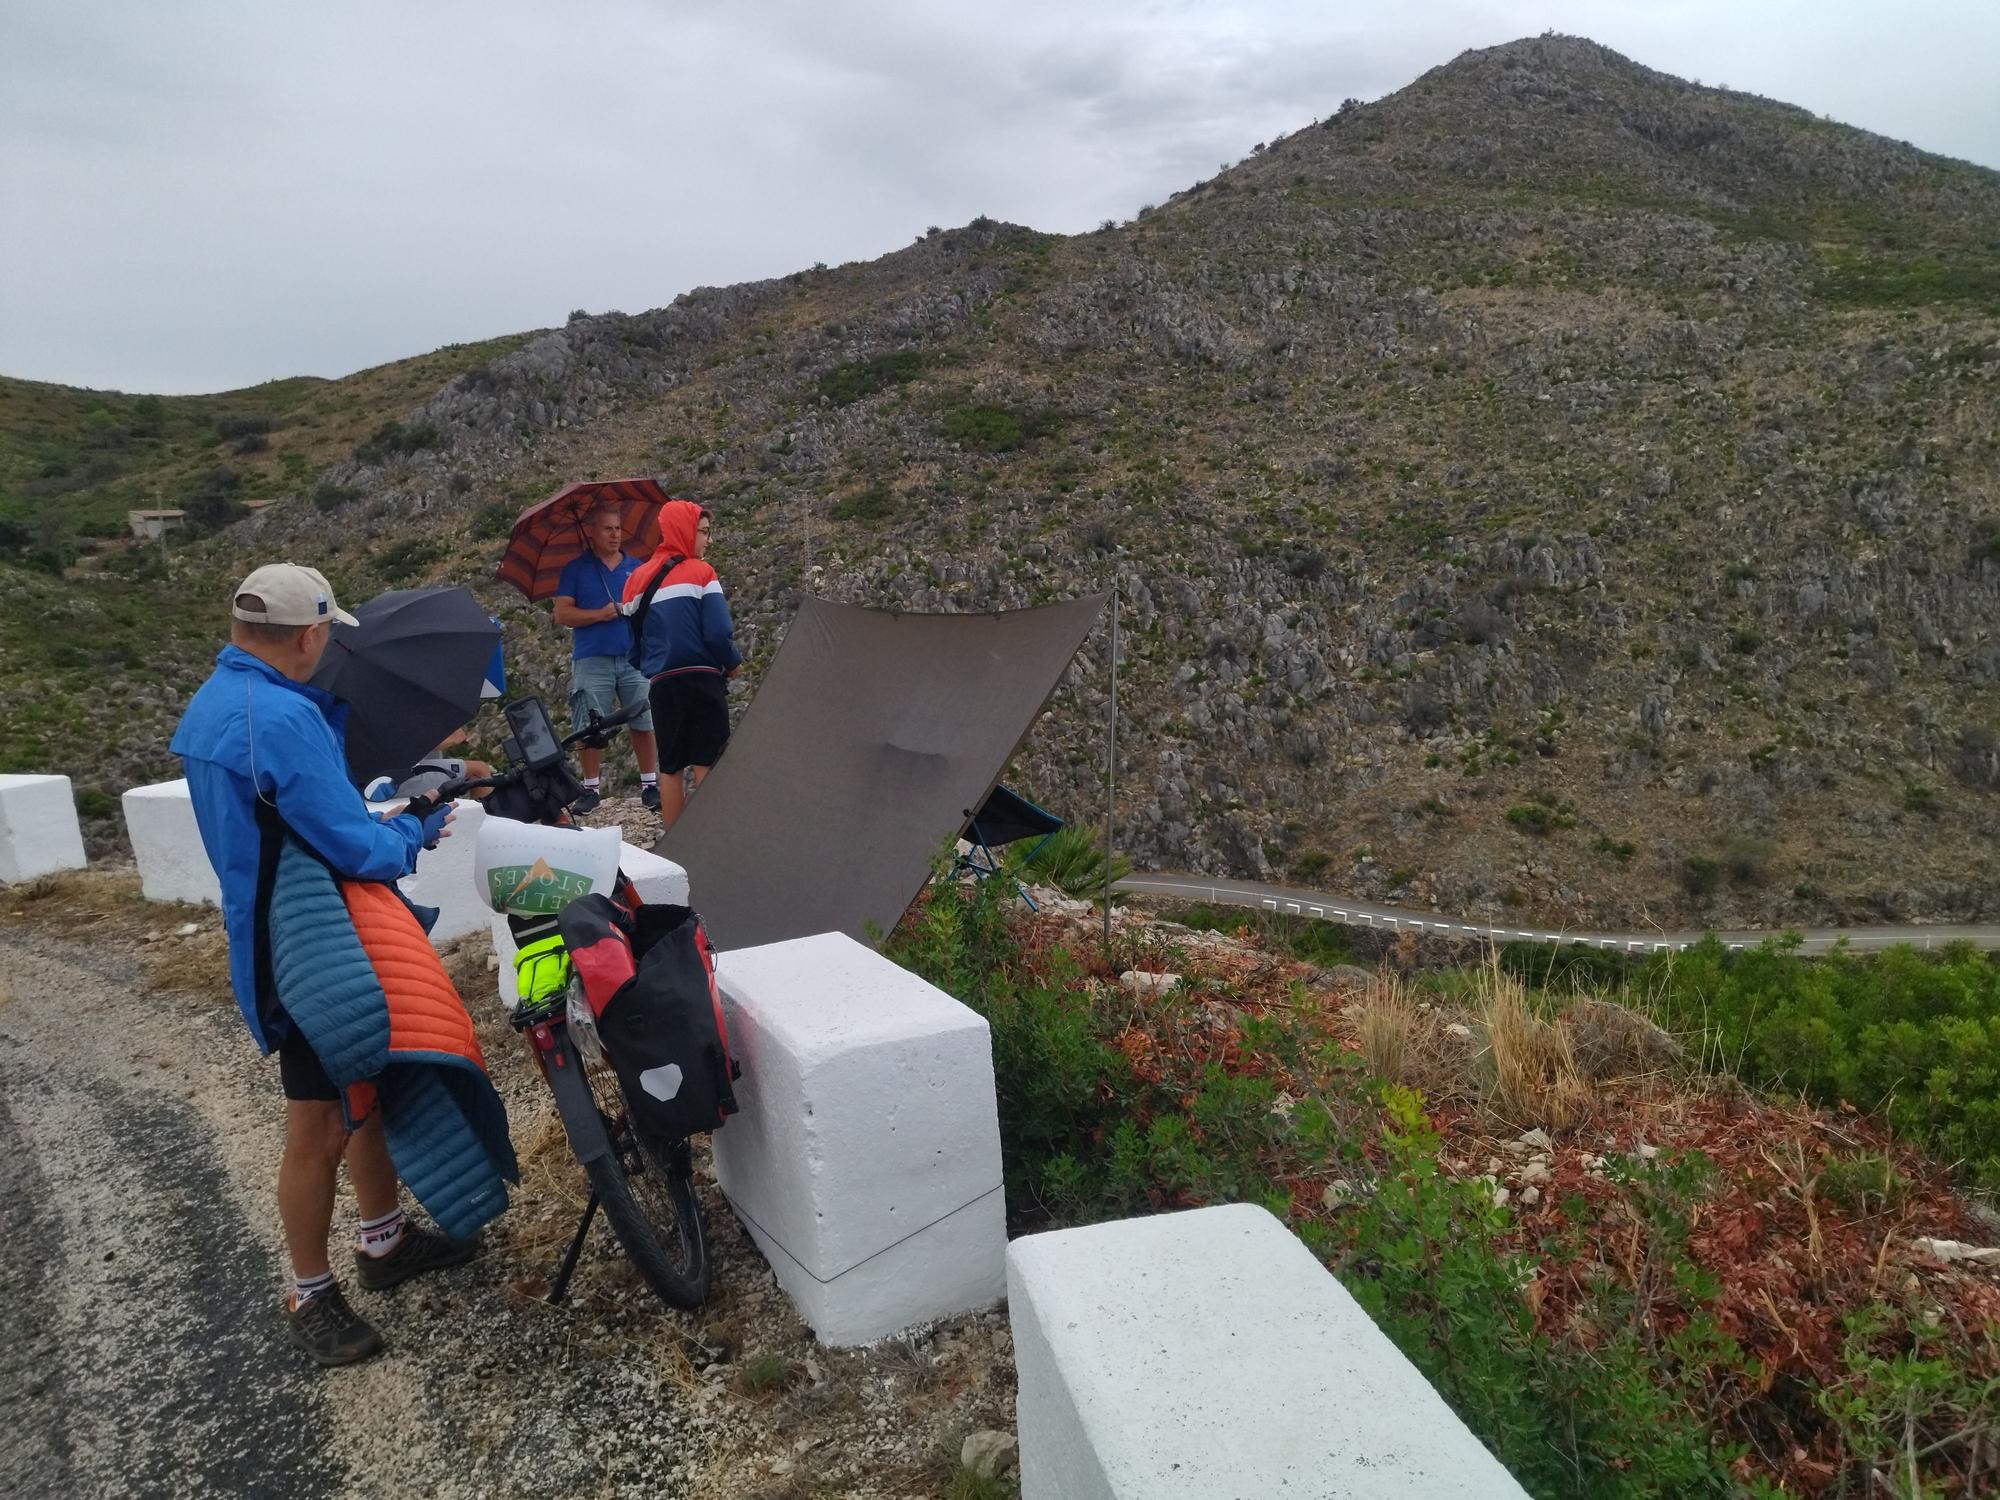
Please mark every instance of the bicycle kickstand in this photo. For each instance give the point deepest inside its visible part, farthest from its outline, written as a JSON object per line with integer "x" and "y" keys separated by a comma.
{"x": 560, "y": 1288}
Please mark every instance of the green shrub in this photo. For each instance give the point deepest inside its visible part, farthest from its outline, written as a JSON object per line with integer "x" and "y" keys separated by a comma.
{"x": 1986, "y": 539}
{"x": 393, "y": 439}
{"x": 970, "y": 1484}
{"x": 1310, "y": 864}
{"x": 1921, "y": 799}
{"x": 763, "y": 1373}
{"x": 331, "y": 497}
{"x": 1701, "y": 876}
{"x": 1538, "y": 819}
{"x": 848, "y": 383}
{"x": 1057, "y": 1078}
{"x": 51, "y": 557}
{"x": 404, "y": 560}
{"x": 1912, "y": 1034}
{"x": 1856, "y": 279}
{"x": 1615, "y": 1419}
{"x": 1862, "y": 1184}
{"x": 1072, "y": 860}
{"x": 876, "y": 503}
{"x": 211, "y": 510}
{"x": 993, "y": 428}
{"x": 1747, "y": 860}
{"x": 229, "y": 429}
{"x": 494, "y": 520}
{"x": 92, "y": 802}
{"x": 1904, "y": 1380}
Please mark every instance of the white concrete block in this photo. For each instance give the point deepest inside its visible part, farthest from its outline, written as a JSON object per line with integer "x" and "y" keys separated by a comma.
{"x": 1208, "y": 1356}
{"x": 39, "y": 832}
{"x": 444, "y": 878}
{"x": 504, "y": 948}
{"x": 660, "y": 882}
{"x": 173, "y": 865}
{"x": 866, "y": 1156}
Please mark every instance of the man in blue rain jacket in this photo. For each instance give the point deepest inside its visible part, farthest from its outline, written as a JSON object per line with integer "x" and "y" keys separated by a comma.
{"x": 263, "y": 753}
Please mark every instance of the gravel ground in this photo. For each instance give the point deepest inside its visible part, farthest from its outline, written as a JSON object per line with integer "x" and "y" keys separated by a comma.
{"x": 142, "y": 1264}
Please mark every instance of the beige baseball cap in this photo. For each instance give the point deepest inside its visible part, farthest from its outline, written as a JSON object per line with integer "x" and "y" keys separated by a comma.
{"x": 291, "y": 595}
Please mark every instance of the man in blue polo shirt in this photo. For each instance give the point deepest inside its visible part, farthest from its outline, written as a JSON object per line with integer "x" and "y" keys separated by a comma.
{"x": 602, "y": 678}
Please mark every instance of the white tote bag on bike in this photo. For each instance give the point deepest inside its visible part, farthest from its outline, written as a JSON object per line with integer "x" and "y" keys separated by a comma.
{"x": 533, "y": 870}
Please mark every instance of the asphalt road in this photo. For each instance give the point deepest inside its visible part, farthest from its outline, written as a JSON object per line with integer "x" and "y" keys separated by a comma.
{"x": 1293, "y": 901}
{"x": 140, "y": 1357}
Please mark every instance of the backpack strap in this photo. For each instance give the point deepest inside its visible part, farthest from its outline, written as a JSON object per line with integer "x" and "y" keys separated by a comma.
{"x": 646, "y": 604}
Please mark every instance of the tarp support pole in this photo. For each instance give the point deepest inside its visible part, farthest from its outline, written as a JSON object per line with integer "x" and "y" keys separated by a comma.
{"x": 1111, "y": 762}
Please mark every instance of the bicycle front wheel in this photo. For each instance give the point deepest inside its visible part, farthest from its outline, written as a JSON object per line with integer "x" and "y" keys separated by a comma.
{"x": 646, "y": 1187}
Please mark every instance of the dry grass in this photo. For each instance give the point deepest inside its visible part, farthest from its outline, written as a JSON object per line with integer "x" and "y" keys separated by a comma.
{"x": 1532, "y": 1077}
{"x": 104, "y": 905}
{"x": 1522, "y": 1066}
{"x": 1388, "y": 1027}
{"x": 77, "y": 896}
{"x": 552, "y": 1193}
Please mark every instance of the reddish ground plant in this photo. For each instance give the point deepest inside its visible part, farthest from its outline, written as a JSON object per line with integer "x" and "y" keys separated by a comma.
{"x": 1631, "y": 1276}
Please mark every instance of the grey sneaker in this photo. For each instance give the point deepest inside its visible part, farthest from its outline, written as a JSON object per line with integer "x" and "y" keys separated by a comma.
{"x": 331, "y": 1332}
{"x": 587, "y": 803}
{"x": 418, "y": 1251}
{"x": 649, "y": 796}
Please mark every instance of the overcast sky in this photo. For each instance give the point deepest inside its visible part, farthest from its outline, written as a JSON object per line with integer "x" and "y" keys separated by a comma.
{"x": 204, "y": 194}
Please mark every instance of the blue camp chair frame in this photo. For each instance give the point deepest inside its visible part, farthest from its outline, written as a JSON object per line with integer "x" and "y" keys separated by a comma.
{"x": 982, "y": 861}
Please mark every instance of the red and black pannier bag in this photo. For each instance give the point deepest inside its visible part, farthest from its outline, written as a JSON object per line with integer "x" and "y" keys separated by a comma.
{"x": 649, "y": 976}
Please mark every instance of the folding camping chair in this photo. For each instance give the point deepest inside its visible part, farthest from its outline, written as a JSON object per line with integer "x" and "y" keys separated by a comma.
{"x": 1005, "y": 818}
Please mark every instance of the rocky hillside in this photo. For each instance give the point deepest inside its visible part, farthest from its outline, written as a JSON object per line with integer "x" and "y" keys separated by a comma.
{"x": 1556, "y": 488}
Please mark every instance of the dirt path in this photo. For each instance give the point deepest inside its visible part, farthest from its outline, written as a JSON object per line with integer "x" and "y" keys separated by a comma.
{"x": 141, "y": 1352}
{"x": 138, "y": 1147}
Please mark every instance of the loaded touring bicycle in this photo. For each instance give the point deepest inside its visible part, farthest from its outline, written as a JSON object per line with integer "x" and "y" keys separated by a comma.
{"x": 617, "y": 999}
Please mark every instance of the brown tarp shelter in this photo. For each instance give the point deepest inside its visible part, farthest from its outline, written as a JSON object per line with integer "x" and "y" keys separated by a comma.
{"x": 872, "y": 739}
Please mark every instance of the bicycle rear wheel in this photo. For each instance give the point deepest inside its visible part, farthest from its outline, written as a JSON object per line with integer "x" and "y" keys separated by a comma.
{"x": 646, "y": 1187}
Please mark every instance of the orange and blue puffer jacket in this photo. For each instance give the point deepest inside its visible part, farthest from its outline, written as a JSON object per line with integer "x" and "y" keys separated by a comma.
{"x": 356, "y": 974}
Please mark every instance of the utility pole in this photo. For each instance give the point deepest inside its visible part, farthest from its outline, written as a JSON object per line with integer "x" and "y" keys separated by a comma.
{"x": 1111, "y": 761}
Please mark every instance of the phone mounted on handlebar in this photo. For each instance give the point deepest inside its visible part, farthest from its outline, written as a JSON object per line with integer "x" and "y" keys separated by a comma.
{"x": 538, "y": 785}
{"x": 531, "y": 742}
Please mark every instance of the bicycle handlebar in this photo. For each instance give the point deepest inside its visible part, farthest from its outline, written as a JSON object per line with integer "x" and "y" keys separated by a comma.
{"x": 596, "y": 734}
{"x": 550, "y": 787}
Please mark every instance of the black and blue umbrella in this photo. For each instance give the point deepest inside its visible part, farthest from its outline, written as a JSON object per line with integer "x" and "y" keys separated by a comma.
{"x": 411, "y": 672}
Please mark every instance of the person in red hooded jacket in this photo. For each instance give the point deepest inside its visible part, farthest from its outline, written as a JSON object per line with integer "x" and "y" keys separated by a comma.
{"x": 685, "y": 642}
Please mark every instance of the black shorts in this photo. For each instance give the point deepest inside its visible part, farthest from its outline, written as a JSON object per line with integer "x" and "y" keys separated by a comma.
{"x": 300, "y": 1071}
{"x": 691, "y": 718}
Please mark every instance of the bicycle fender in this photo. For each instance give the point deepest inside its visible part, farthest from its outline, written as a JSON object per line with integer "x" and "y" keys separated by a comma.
{"x": 580, "y": 1120}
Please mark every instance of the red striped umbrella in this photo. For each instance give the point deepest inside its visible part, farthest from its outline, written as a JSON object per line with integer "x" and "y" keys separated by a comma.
{"x": 547, "y": 536}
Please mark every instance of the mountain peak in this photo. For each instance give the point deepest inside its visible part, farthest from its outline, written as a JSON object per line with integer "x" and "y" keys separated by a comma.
{"x": 1550, "y": 50}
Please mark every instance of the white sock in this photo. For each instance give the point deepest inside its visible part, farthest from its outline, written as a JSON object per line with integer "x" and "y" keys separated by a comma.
{"x": 649, "y": 778}
{"x": 305, "y": 1288}
{"x": 592, "y": 783}
{"x": 380, "y": 1236}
